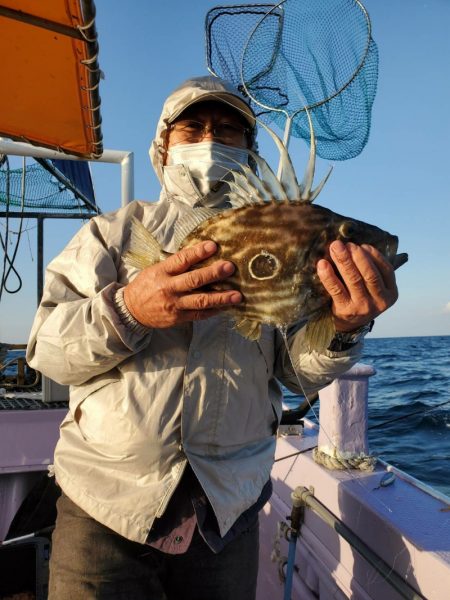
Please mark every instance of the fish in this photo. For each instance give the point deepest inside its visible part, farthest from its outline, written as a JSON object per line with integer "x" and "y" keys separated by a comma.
{"x": 274, "y": 235}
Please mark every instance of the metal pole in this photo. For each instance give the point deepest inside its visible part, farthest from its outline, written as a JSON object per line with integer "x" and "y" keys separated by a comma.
{"x": 296, "y": 521}
{"x": 127, "y": 168}
{"x": 124, "y": 158}
{"x": 40, "y": 258}
{"x": 304, "y": 495}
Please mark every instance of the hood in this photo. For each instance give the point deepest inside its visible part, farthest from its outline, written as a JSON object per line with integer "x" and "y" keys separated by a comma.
{"x": 197, "y": 89}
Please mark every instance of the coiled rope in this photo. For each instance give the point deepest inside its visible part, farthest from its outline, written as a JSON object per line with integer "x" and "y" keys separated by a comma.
{"x": 363, "y": 462}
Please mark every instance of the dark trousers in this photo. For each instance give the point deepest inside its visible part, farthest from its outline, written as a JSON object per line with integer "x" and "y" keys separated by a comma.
{"x": 91, "y": 561}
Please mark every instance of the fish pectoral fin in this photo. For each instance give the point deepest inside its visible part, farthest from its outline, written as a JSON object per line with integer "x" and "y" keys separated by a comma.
{"x": 143, "y": 250}
{"x": 136, "y": 260}
{"x": 320, "y": 331}
{"x": 251, "y": 330}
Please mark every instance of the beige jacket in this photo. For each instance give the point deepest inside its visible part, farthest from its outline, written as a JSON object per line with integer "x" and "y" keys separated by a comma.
{"x": 144, "y": 402}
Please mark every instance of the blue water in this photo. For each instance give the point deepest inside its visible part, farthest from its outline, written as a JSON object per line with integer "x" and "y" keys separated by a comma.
{"x": 413, "y": 376}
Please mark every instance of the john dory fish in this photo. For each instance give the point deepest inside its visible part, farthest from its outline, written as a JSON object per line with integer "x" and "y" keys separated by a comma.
{"x": 274, "y": 235}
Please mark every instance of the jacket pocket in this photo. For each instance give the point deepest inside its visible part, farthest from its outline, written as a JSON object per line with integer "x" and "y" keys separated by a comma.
{"x": 99, "y": 413}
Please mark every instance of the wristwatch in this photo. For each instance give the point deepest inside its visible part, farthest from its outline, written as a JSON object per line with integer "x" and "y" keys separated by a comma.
{"x": 344, "y": 340}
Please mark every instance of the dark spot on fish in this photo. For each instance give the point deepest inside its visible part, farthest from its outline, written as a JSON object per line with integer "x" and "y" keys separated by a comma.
{"x": 264, "y": 266}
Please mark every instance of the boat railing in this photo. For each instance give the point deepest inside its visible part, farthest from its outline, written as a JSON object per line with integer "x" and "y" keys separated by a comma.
{"x": 15, "y": 373}
{"x": 122, "y": 157}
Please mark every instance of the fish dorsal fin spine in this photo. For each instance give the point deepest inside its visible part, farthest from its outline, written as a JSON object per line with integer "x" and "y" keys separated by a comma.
{"x": 314, "y": 193}
{"x": 269, "y": 179}
{"x": 257, "y": 184}
{"x": 288, "y": 179}
{"x": 291, "y": 190}
{"x": 240, "y": 197}
{"x": 186, "y": 224}
{"x": 236, "y": 200}
{"x": 251, "y": 194}
{"x": 307, "y": 194}
{"x": 308, "y": 178}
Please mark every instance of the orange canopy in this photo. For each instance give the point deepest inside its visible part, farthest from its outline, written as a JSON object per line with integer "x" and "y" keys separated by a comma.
{"x": 49, "y": 75}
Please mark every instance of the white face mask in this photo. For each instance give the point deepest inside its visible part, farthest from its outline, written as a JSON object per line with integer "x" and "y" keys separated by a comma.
{"x": 207, "y": 162}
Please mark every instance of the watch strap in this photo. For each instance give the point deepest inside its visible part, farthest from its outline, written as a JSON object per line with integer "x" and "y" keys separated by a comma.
{"x": 344, "y": 340}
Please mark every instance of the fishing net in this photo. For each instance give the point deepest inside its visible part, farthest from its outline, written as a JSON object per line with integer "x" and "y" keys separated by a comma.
{"x": 301, "y": 55}
{"x": 43, "y": 191}
{"x": 227, "y": 31}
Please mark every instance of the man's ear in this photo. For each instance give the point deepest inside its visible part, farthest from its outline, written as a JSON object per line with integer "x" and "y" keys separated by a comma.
{"x": 164, "y": 143}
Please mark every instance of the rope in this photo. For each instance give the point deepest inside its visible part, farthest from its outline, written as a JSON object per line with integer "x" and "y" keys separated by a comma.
{"x": 6, "y": 271}
{"x": 12, "y": 259}
{"x": 363, "y": 462}
{"x": 84, "y": 28}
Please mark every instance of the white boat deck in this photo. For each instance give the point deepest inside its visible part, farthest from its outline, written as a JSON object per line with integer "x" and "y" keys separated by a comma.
{"x": 406, "y": 524}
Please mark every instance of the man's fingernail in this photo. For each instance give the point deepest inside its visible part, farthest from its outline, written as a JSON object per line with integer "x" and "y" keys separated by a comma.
{"x": 236, "y": 298}
{"x": 228, "y": 268}
{"x": 322, "y": 266}
{"x": 210, "y": 246}
{"x": 337, "y": 247}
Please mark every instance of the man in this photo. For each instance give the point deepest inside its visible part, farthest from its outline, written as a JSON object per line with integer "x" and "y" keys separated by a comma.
{"x": 165, "y": 455}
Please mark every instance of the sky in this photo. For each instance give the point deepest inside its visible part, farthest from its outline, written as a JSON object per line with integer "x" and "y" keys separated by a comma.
{"x": 400, "y": 182}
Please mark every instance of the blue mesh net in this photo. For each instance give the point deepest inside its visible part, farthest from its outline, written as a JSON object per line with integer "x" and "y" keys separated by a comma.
{"x": 299, "y": 54}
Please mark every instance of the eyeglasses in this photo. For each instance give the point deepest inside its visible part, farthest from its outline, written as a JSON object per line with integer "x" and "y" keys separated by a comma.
{"x": 194, "y": 131}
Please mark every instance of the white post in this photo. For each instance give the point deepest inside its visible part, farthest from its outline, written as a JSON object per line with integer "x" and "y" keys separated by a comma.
{"x": 127, "y": 166}
{"x": 343, "y": 414}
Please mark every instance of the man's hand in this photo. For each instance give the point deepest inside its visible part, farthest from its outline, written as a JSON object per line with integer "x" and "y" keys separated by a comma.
{"x": 368, "y": 286}
{"x": 164, "y": 295}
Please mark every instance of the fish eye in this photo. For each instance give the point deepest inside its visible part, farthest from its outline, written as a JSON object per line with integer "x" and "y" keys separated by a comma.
{"x": 264, "y": 265}
{"x": 347, "y": 229}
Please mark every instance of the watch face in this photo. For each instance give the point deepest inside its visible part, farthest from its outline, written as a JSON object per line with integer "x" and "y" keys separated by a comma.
{"x": 360, "y": 333}
{"x": 354, "y": 336}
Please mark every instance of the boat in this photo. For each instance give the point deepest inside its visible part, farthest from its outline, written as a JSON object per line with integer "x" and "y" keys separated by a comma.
{"x": 346, "y": 533}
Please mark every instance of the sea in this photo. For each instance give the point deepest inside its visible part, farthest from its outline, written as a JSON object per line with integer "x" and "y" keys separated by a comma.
{"x": 409, "y": 405}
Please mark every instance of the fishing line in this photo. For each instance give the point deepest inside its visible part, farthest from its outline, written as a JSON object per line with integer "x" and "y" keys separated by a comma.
{"x": 294, "y": 454}
{"x": 412, "y": 414}
{"x": 376, "y": 426}
{"x": 290, "y": 564}
{"x": 283, "y": 333}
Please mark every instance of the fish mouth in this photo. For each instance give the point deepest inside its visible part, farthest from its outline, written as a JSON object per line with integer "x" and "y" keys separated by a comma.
{"x": 396, "y": 260}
